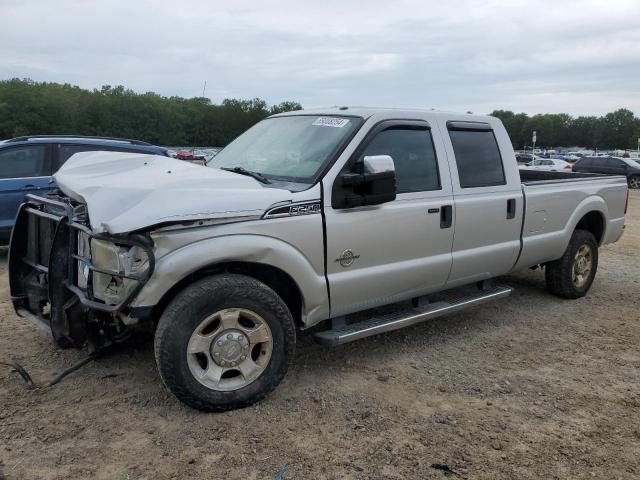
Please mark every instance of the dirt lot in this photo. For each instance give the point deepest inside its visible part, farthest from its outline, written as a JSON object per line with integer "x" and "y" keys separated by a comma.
{"x": 530, "y": 387}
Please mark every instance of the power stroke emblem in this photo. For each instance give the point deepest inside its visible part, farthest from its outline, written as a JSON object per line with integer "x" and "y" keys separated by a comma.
{"x": 347, "y": 258}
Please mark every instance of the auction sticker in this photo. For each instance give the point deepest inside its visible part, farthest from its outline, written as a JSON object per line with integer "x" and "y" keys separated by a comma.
{"x": 331, "y": 122}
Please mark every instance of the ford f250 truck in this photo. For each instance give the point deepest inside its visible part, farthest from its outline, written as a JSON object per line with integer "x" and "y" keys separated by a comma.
{"x": 302, "y": 221}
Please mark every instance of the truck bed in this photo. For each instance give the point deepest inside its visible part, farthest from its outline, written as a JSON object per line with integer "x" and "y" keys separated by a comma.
{"x": 556, "y": 201}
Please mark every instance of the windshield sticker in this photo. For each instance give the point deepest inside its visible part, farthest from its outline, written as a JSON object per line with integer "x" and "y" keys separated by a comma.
{"x": 331, "y": 122}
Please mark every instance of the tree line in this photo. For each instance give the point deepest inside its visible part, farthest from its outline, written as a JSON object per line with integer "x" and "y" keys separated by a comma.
{"x": 35, "y": 108}
{"x": 615, "y": 130}
{"x": 42, "y": 108}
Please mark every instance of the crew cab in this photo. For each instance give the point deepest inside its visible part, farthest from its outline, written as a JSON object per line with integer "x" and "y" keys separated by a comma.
{"x": 304, "y": 220}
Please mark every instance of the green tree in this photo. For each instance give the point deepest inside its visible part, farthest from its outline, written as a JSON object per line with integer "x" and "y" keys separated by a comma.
{"x": 31, "y": 108}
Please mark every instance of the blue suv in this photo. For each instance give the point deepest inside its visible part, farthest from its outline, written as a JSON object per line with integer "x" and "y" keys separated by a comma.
{"x": 28, "y": 163}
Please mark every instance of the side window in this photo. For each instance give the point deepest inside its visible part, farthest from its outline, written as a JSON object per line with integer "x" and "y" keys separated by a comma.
{"x": 66, "y": 151}
{"x": 24, "y": 162}
{"x": 477, "y": 157}
{"x": 413, "y": 155}
{"x": 130, "y": 150}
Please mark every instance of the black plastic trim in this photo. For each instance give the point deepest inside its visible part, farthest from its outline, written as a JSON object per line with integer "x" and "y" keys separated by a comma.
{"x": 469, "y": 126}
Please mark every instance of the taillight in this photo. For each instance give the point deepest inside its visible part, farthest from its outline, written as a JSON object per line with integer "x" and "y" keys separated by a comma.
{"x": 568, "y": 167}
{"x": 626, "y": 202}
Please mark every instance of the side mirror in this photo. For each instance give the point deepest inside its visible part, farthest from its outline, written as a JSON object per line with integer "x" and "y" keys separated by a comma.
{"x": 373, "y": 183}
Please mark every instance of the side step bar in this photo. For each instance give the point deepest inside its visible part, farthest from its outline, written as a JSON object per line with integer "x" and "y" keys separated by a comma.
{"x": 405, "y": 318}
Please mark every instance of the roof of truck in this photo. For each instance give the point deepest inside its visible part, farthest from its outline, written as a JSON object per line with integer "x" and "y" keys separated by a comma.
{"x": 386, "y": 112}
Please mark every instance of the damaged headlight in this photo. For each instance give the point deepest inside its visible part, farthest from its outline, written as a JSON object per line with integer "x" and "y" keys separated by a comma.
{"x": 121, "y": 260}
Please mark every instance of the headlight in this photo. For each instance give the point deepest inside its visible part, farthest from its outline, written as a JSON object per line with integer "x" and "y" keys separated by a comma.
{"x": 122, "y": 260}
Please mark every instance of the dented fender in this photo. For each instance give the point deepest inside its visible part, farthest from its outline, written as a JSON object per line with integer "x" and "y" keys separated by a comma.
{"x": 177, "y": 264}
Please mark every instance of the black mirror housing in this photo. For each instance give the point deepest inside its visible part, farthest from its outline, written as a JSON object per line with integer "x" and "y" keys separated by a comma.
{"x": 375, "y": 185}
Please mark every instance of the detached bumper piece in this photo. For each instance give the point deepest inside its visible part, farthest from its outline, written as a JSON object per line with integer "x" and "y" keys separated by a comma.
{"x": 52, "y": 273}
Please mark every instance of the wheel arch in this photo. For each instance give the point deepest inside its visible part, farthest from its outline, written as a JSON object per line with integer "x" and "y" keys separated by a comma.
{"x": 593, "y": 222}
{"x": 275, "y": 278}
{"x": 272, "y": 261}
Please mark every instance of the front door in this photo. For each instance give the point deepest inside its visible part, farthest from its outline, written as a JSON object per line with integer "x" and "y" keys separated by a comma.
{"x": 401, "y": 249}
{"x": 23, "y": 169}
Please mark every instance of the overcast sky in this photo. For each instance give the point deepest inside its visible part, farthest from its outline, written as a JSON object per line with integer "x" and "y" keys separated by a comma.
{"x": 580, "y": 57}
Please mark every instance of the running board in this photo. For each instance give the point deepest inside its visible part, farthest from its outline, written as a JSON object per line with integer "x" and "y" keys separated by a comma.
{"x": 405, "y": 318}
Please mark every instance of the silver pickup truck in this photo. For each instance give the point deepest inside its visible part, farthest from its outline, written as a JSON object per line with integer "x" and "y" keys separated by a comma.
{"x": 302, "y": 221}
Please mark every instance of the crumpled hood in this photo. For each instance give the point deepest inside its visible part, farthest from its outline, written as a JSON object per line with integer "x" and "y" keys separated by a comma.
{"x": 127, "y": 191}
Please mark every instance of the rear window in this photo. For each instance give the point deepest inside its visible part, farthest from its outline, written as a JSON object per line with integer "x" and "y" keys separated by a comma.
{"x": 477, "y": 157}
{"x": 66, "y": 151}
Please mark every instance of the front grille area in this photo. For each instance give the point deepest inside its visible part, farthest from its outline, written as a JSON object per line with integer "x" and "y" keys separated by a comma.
{"x": 51, "y": 269}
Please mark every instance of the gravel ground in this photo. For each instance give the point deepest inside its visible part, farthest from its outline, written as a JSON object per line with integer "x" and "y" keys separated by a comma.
{"x": 526, "y": 388}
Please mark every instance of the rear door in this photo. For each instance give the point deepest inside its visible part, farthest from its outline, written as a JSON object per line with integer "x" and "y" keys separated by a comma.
{"x": 488, "y": 208}
{"x": 582, "y": 166}
{"x": 379, "y": 254}
{"x": 23, "y": 169}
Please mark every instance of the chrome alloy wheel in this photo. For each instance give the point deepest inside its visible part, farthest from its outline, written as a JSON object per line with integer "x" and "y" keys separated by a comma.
{"x": 634, "y": 182}
{"x": 229, "y": 349}
{"x": 582, "y": 265}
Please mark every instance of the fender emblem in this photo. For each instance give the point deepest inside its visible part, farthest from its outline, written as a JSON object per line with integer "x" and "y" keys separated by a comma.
{"x": 347, "y": 258}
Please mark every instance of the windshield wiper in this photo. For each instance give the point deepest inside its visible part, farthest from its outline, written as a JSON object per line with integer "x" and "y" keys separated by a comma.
{"x": 243, "y": 171}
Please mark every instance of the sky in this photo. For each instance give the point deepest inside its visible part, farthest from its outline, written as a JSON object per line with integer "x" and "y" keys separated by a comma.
{"x": 578, "y": 57}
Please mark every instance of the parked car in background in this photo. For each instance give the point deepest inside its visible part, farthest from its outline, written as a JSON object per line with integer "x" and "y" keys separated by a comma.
{"x": 28, "y": 163}
{"x": 547, "y": 164}
{"x": 568, "y": 157}
{"x": 611, "y": 166}
{"x": 524, "y": 157}
{"x": 191, "y": 157}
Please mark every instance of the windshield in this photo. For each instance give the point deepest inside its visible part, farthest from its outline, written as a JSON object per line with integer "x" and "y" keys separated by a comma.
{"x": 630, "y": 162}
{"x": 292, "y": 148}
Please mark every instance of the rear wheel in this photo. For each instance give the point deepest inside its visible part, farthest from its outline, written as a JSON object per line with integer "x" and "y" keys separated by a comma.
{"x": 634, "y": 181}
{"x": 571, "y": 275}
{"x": 224, "y": 342}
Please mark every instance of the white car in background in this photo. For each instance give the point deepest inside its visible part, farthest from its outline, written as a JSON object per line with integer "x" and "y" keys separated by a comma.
{"x": 548, "y": 165}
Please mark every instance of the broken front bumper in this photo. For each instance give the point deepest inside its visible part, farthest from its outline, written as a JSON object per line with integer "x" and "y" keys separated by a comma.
{"x": 53, "y": 271}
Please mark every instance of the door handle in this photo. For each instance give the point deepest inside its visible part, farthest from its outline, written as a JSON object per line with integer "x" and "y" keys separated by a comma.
{"x": 29, "y": 186}
{"x": 511, "y": 208}
{"x": 446, "y": 216}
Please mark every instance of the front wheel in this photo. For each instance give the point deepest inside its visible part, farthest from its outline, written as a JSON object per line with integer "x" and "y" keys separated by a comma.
{"x": 224, "y": 342}
{"x": 634, "y": 181}
{"x": 572, "y": 274}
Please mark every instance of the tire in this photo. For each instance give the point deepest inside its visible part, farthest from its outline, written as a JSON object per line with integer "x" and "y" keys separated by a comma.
{"x": 562, "y": 275}
{"x": 200, "y": 314}
{"x": 634, "y": 181}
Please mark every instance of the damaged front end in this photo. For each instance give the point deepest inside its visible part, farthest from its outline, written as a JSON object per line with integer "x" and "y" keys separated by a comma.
{"x": 72, "y": 282}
